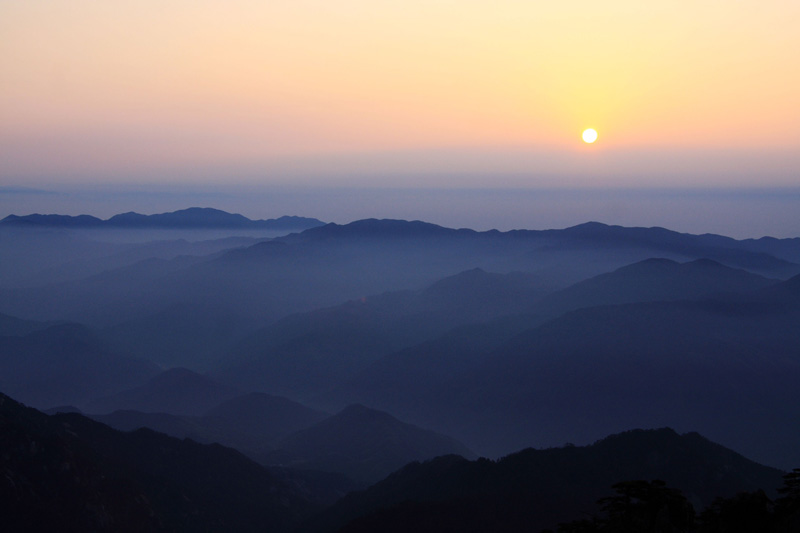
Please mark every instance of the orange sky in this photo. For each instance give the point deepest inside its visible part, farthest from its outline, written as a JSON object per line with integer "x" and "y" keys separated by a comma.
{"x": 681, "y": 92}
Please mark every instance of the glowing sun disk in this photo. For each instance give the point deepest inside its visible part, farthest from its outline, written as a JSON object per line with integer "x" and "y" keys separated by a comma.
{"x": 589, "y": 136}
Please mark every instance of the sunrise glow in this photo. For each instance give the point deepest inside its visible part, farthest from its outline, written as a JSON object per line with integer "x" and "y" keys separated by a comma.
{"x": 112, "y": 91}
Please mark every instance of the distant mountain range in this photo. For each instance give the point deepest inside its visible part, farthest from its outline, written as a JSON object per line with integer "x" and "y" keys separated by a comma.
{"x": 327, "y": 265}
{"x": 192, "y": 218}
{"x": 747, "y": 253}
{"x": 499, "y": 339}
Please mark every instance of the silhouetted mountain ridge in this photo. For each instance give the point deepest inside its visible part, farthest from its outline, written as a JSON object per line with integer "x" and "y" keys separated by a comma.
{"x": 191, "y": 218}
{"x": 379, "y": 228}
{"x": 64, "y": 221}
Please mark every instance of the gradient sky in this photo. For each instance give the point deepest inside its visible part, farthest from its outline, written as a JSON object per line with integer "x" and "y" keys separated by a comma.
{"x": 460, "y": 93}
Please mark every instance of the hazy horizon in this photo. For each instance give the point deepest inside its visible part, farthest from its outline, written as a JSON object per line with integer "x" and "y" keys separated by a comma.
{"x": 738, "y": 213}
{"x": 459, "y": 114}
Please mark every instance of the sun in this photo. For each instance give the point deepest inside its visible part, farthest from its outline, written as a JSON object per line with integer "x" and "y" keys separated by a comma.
{"x": 589, "y": 136}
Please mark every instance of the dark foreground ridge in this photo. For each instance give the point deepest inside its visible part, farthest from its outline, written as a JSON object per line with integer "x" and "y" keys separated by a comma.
{"x": 535, "y": 489}
{"x": 68, "y": 473}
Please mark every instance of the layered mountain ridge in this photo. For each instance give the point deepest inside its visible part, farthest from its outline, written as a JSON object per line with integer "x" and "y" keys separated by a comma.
{"x": 348, "y": 350}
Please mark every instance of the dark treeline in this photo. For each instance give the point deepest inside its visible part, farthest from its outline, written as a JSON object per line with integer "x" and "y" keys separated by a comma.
{"x": 638, "y": 506}
{"x": 652, "y": 507}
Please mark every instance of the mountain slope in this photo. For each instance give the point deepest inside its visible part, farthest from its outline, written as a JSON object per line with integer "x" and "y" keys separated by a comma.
{"x": 408, "y": 382}
{"x": 655, "y": 280}
{"x": 305, "y": 354}
{"x": 719, "y": 248}
{"x": 250, "y": 423}
{"x": 414, "y": 382}
{"x": 71, "y": 473}
{"x": 254, "y": 421}
{"x": 363, "y": 443}
{"x": 53, "y": 482}
{"x": 11, "y": 326}
{"x": 176, "y": 391}
{"x": 190, "y": 335}
{"x": 728, "y": 368}
{"x": 65, "y": 364}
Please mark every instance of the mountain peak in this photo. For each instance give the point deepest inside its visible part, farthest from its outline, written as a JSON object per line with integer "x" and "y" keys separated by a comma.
{"x": 661, "y": 261}
{"x": 366, "y": 444}
{"x": 193, "y": 217}
{"x": 179, "y": 373}
{"x": 705, "y": 263}
{"x": 360, "y": 411}
{"x": 382, "y": 228}
{"x": 591, "y": 225}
